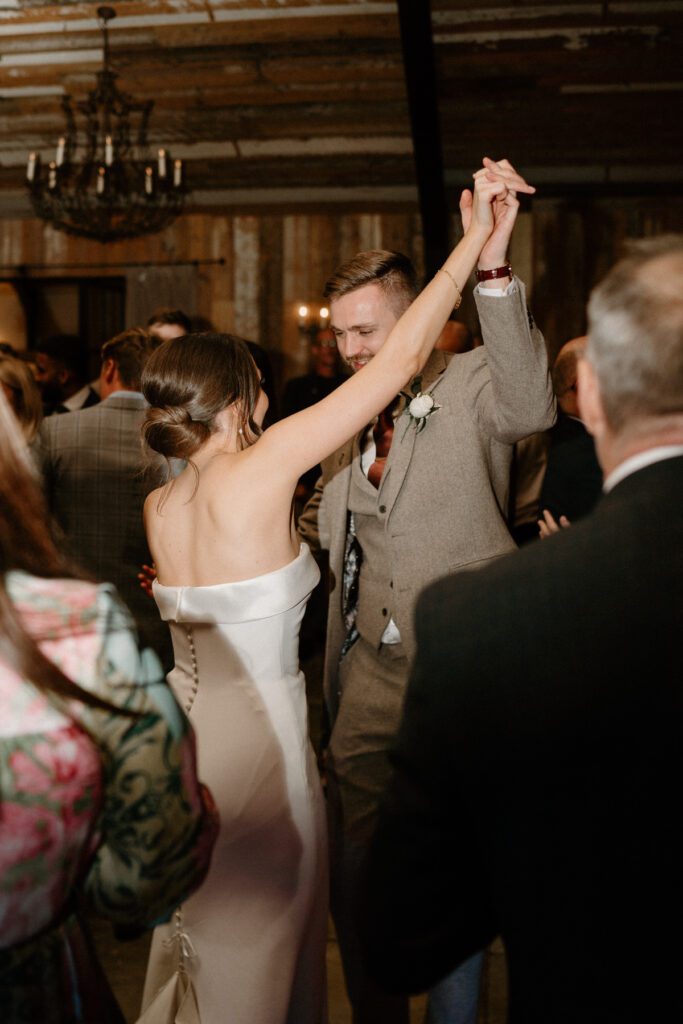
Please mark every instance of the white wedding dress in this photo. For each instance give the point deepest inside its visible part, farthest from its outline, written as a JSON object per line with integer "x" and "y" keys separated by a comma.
{"x": 255, "y": 931}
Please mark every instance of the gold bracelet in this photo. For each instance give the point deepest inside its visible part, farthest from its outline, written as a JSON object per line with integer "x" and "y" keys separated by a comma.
{"x": 458, "y": 293}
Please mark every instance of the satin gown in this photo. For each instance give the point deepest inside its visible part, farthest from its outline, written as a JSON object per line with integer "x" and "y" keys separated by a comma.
{"x": 255, "y": 932}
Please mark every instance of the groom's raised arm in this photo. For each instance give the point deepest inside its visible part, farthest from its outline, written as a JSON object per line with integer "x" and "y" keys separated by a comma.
{"x": 510, "y": 390}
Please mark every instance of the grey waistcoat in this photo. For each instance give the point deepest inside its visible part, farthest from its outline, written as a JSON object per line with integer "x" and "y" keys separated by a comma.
{"x": 375, "y": 596}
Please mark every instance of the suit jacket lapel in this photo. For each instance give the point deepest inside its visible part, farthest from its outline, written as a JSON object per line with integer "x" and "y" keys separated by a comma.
{"x": 405, "y": 433}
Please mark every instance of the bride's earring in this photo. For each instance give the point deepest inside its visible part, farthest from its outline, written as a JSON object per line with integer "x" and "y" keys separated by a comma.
{"x": 240, "y": 431}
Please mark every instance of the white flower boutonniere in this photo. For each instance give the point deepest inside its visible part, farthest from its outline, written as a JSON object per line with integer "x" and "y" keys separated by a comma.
{"x": 419, "y": 405}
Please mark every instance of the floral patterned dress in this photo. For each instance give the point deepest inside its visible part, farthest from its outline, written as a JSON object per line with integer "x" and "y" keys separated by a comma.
{"x": 93, "y": 804}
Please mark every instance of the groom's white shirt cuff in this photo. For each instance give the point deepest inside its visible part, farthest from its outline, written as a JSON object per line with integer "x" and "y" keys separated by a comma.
{"x": 497, "y": 293}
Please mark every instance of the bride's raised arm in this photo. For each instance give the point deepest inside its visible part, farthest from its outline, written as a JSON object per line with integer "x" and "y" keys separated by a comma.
{"x": 295, "y": 444}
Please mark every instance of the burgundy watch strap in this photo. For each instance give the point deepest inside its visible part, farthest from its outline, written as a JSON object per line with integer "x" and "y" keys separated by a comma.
{"x": 492, "y": 275}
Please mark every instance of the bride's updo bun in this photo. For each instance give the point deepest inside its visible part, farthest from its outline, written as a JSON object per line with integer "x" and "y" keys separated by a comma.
{"x": 171, "y": 431}
{"x": 188, "y": 381}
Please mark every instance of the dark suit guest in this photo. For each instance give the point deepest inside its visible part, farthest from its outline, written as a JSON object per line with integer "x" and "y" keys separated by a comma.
{"x": 97, "y": 479}
{"x": 300, "y": 392}
{"x": 62, "y": 374}
{"x": 538, "y": 765}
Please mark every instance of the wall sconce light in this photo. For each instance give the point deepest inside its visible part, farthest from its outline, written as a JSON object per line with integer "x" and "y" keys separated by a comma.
{"x": 302, "y": 313}
{"x": 310, "y": 322}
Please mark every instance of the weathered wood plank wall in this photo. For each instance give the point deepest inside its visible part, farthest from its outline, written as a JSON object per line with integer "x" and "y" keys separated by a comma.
{"x": 274, "y": 262}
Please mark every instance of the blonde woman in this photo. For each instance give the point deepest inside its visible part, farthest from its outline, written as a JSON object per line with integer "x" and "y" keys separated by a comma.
{"x": 21, "y": 391}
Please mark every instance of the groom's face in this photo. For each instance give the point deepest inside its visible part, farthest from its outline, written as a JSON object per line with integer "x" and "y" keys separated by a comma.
{"x": 361, "y": 322}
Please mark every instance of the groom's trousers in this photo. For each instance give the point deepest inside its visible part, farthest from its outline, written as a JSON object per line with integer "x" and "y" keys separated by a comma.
{"x": 372, "y": 685}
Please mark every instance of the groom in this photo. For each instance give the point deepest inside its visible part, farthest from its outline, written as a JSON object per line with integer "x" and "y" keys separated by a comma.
{"x": 409, "y": 500}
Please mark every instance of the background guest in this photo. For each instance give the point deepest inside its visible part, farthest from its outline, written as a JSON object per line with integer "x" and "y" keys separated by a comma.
{"x": 84, "y": 714}
{"x": 169, "y": 323}
{"x": 323, "y": 377}
{"x": 265, "y": 368}
{"x": 62, "y": 374}
{"x": 455, "y": 336}
{"x": 527, "y": 471}
{"x": 301, "y": 392}
{"x": 573, "y": 478}
{"x": 96, "y": 480}
{"x": 22, "y": 394}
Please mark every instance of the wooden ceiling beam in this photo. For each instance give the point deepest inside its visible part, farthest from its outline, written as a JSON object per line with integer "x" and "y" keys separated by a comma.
{"x": 420, "y": 71}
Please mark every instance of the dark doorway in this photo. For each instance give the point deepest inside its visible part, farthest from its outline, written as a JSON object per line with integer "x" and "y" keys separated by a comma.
{"x": 91, "y": 307}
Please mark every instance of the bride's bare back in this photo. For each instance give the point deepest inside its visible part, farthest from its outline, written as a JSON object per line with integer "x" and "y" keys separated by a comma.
{"x": 230, "y": 523}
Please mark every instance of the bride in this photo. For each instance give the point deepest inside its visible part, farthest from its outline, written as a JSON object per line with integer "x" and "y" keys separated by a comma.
{"x": 233, "y": 584}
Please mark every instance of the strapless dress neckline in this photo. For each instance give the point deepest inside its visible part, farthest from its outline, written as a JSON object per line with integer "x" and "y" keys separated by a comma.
{"x": 258, "y": 597}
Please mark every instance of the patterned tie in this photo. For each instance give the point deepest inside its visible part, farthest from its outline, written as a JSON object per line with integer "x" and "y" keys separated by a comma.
{"x": 382, "y": 432}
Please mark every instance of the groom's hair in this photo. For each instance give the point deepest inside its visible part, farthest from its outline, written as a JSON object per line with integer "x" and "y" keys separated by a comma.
{"x": 392, "y": 271}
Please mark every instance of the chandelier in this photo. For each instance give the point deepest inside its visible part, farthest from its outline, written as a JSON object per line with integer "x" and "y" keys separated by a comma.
{"x": 116, "y": 191}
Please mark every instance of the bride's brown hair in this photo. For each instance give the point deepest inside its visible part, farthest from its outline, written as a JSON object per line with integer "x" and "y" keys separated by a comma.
{"x": 188, "y": 381}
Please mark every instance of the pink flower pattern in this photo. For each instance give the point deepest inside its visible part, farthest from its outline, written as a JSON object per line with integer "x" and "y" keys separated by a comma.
{"x": 82, "y": 790}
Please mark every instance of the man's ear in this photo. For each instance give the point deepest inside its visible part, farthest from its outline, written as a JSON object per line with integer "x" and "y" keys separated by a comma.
{"x": 591, "y": 409}
{"x": 108, "y": 371}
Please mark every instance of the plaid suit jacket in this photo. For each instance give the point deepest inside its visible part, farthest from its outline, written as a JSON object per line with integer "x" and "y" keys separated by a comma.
{"x": 96, "y": 480}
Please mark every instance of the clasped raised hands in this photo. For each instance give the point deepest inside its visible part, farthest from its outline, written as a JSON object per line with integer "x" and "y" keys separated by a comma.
{"x": 493, "y": 205}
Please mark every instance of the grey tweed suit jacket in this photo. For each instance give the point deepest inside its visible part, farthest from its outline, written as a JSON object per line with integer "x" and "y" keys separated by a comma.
{"x": 444, "y": 490}
{"x": 96, "y": 480}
